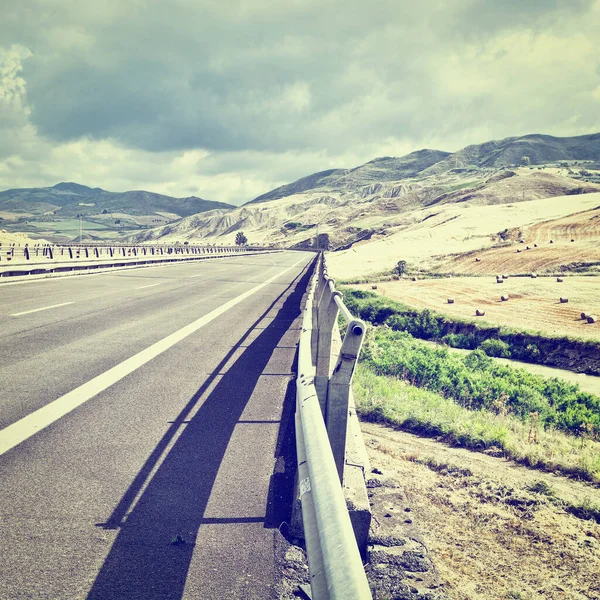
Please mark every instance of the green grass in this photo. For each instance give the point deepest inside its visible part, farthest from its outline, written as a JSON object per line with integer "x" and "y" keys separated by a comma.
{"x": 532, "y": 347}
{"x": 389, "y": 400}
{"x": 68, "y": 225}
{"x": 475, "y": 381}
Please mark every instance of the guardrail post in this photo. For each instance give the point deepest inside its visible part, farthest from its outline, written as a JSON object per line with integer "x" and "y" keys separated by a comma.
{"x": 327, "y": 315}
{"x": 26, "y": 253}
{"x": 338, "y": 392}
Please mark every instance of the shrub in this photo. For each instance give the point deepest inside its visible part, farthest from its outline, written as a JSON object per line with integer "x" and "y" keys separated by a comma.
{"x": 475, "y": 381}
{"x": 496, "y": 348}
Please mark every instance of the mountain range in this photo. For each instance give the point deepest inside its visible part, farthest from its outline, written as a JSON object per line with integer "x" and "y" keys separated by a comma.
{"x": 387, "y": 193}
{"x": 341, "y": 206}
{"x": 69, "y": 199}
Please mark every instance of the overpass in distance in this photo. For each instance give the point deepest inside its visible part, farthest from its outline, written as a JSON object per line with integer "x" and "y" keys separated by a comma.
{"x": 145, "y": 429}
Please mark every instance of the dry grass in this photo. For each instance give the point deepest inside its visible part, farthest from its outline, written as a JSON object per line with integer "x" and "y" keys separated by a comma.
{"x": 533, "y": 304}
{"x": 492, "y": 529}
{"x": 427, "y": 241}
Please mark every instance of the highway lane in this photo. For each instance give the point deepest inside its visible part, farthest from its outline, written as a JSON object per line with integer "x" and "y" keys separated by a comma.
{"x": 91, "y": 504}
{"x": 109, "y": 321}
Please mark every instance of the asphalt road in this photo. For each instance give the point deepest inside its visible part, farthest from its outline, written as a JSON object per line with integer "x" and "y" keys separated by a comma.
{"x": 144, "y": 429}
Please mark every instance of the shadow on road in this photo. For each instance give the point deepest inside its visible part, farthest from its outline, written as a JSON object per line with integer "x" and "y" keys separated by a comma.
{"x": 144, "y": 562}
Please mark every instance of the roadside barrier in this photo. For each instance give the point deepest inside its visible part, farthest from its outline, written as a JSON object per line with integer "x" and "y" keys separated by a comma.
{"x": 47, "y": 258}
{"x": 322, "y": 409}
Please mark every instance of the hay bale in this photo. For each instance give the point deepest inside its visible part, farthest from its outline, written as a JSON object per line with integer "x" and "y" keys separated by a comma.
{"x": 572, "y": 240}
{"x": 477, "y": 260}
{"x": 373, "y": 287}
{"x": 450, "y": 300}
{"x": 534, "y": 276}
{"x": 479, "y": 313}
{"x": 559, "y": 279}
{"x": 499, "y": 280}
{"x": 413, "y": 279}
{"x": 535, "y": 245}
{"x": 583, "y": 316}
{"x": 564, "y": 300}
{"x": 504, "y": 276}
{"x": 527, "y": 248}
{"x": 518, "y": 250}
{"x": 552, "y": 241}
{"x": 591, "y": 319}
{"x": 504, "y": 298}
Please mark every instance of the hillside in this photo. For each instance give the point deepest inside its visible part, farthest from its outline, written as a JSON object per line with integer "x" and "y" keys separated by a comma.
{"x": 50, "y": 212}
{"x": 386, "y": 195}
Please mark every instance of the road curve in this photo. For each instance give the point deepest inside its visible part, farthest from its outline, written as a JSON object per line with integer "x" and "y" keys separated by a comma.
{"x": 152, "y": 407}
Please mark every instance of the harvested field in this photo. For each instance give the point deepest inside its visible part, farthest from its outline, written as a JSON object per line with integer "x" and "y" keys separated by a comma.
{"x": 533, "y": 304}
{"x": 583, "y": 227}
{"x": 426, "y": 240}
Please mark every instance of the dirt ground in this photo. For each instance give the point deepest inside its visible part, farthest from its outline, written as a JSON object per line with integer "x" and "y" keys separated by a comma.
{"x": 492, "y": 529}
{"x": 534, "y": 304}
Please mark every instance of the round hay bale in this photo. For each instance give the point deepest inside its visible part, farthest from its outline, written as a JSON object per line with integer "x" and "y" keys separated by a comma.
{"x": 552, "y": 241}
{"x": 534, "y": 276}
{"x": 527, "y": 248}
{"x": 479, "y": 313}
{"x": 499, "y": 280}
{"x": 572, "y": 240}
{"x": 518, "y": 250}
{"x": 564, "y": 300}
{"x": 592, "y": 319}
{"x": 504, "y": 298}
{"x": 535, "y": 245}
{"x": 477, "y": 260}
{"x": 373, "y": 287}
{"x": 583, "y": 316}
{"x": 450, "y": 300}
{"x": 504, "y": 276}
{"x": 559, "y": 279}
{"x": 413, "y": 279}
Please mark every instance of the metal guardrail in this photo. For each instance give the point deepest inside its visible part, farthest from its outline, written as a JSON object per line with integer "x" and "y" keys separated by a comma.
{"x": 43, "y": 259}
{"x": 335, "y": 565}
{"x": 55, "y": 252}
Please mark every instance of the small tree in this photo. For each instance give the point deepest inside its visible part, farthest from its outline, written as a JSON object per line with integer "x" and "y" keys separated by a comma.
{"x": 240, "y": 239}
{"x": 400, "y": 268}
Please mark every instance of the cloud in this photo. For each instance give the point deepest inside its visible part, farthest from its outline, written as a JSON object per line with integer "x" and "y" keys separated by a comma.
{"x": 248, "y": 94}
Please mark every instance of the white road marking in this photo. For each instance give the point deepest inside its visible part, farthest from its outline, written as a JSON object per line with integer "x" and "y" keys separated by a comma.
{"x": 28, "y": 312}
{"x": 148, "y": 286}
{"x": 28, "y": 426}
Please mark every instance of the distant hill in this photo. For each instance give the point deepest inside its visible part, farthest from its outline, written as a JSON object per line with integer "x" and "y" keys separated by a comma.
{"x": 539, "y": 149}
{"x": 379, "y": 198}
{"x": 68, "y": 199}
{"x": 380, "y": 169}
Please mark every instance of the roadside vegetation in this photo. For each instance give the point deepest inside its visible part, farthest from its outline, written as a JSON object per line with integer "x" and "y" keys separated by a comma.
{"x": 385, "y": 399}
{"x": 476, "y": 382}
{"x": 536, "y": 348}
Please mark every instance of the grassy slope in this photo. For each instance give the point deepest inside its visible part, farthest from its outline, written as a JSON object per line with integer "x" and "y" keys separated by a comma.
{"x": 389, "y": 400}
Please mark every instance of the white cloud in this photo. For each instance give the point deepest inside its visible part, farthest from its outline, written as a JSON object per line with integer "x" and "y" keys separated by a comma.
{"x": 227, "y": 100}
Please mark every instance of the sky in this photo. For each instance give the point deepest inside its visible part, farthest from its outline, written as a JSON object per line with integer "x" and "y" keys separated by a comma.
{"x": 229, "y": 99}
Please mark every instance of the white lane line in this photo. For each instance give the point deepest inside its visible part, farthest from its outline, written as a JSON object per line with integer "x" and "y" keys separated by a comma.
{"x": 28, "y": 312}
{"x": 23, "y": 429}
{"x": 148, "y": 286}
